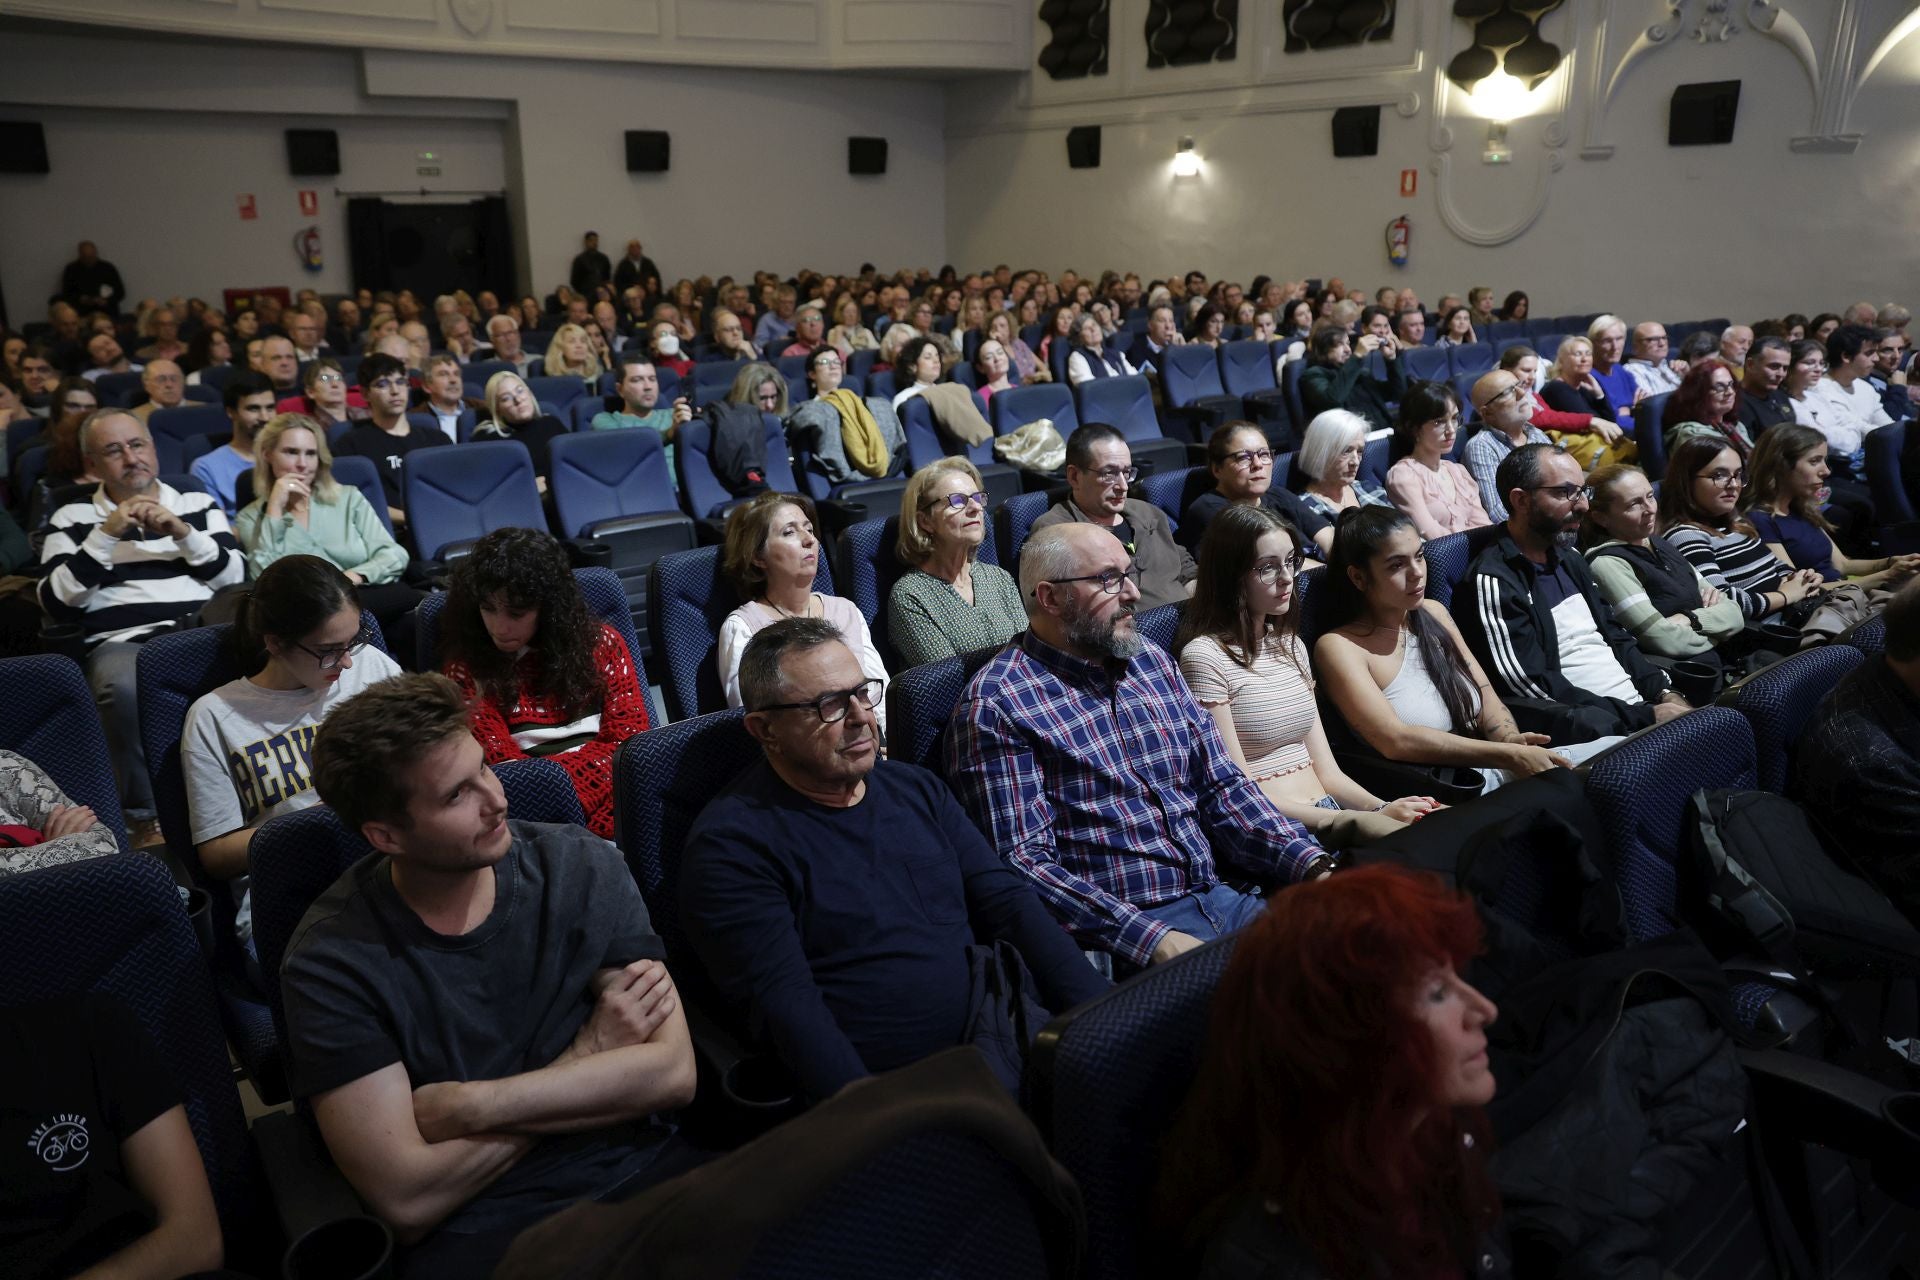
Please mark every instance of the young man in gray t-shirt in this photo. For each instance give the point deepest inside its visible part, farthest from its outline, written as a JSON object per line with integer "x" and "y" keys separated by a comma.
{"x": 479, "y": 1013}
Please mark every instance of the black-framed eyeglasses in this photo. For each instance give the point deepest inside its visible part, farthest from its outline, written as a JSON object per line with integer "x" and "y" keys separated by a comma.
{"x": 1723, "y": 478}
{"x": 1113, "y": 475}
{"x": 333, "y": 655}
{"x": 1247, "y": 457}
{"x": 1567, "y": 492}
{"x": 1513, "y": 392}
{"x": 833, "y": 707}
{"x": 1109, "y": 579}
{"x": 957, "y": 501}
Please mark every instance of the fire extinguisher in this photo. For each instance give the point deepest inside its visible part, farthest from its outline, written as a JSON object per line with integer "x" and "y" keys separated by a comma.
{"x": 306, "y": 247}
{"x": 1399, "y": 232}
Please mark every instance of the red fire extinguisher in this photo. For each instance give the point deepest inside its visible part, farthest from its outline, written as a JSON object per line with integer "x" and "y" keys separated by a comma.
{"x": 306, "y": 246}
{"x": 1399, "y": 232}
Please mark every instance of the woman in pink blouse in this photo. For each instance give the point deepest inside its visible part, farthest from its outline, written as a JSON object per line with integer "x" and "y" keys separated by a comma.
{"x": 1438, "y": 495}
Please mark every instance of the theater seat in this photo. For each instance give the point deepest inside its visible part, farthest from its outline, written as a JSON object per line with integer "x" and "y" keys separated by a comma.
{"x": 612, "y": 487}
{"x": 190, "y": 421}
{"x": 1195, "y": 396}
{"x": 871, "y": 567}
{"x": 1431, "y": 364}
{"x": 458, "y": 493}
{"x": 119, "y": 390}
{"x": 1475, "y": 358}
{"x": 1246, "y": 371}
{"x": 600, "y": 588}
{"x": 1126, "y": 405}
{"x": 1780, "y": 699}
{"x": 1650, "y": 435}
{"x": 51, "y": 719}
{"x": 1892, "y": 504}
{"x": 1014, "y": 521}
{"x": 920, "y": 702}
{"x": 701, "y": 493}
{"x": 687, "y": 600}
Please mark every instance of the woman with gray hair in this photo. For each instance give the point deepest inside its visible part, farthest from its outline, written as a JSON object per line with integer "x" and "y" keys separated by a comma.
{"x": 1329, "y": 458}
{"x": 948, "y": 603}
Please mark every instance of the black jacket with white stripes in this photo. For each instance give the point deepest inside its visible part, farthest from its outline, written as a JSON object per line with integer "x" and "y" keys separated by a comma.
{"x": 1510, "y": 629}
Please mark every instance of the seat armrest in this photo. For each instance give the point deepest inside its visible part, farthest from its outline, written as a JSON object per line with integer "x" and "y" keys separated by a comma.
{"x": 308, "y": 1189}
{"x": 1819, "y": 1102}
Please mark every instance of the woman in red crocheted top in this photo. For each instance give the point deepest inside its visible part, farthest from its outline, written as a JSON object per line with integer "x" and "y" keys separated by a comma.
{"x": 543, "y": 675}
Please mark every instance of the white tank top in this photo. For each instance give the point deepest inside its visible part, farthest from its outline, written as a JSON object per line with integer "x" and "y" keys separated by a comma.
{"x": 1416, "y": 699}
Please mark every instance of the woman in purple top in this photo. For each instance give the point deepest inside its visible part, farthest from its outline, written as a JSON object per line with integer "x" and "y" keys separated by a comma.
{"x": 1787, "y": 481}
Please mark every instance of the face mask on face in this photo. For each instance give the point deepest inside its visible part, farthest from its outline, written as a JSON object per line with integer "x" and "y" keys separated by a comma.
{"x": 669, "y": 344}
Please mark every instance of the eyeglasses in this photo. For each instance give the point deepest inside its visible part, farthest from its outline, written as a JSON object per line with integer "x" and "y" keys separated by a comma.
{"x": 328, "y": 377}
{"x": 1109, "y": 579}
{"x": 1721, "y": 388}
{"x": 1567, "y": 492}
{"x": 832, "y": 708}
{"x": 1270, "y": 571}
{"x": 1513, "y": 392}
{"x": 957, "y": 501}
{"x": 1114, "y": 475}
{"x": 1722, "y": 478}
{"x": 1247, "y": 457}
{"x": 332, "y": 656}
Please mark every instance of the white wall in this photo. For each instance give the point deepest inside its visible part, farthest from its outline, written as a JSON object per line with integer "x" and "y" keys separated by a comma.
{"x": 1750, "y": 229}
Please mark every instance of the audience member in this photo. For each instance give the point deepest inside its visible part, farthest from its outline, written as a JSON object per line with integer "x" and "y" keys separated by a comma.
{"x": 1330, "y": 457}
{"x": 1396, "y": 667}
{"x": 761, "y": 387}
{"x": 1700, "y": 516}
{"x": 542, "y": 676}
{"x": 571, "y": 355}
{"x": 1654, "y": 592}
{"x": 590, "y": 268}
{"x": 1516, "y": 307}
{"x": 809, "y": 329}
{"x": 847, "y": 436}
{"x": 730, "y": 337}
{"x": 639, "y": 391}
{"x": 1593, "y": 438}
{"x": 38, "y": 376}
{"x": 1206, "y": 326}
{"x": 307, "y": 336}
{"x": 104, "y": 356}
{"x": 1763, "y": 401}
{"x": 513, "y": 414}
{"x": 1119, "y": 822}
{"x": 503, "y": 334}
{"x": 446, "y": 399}
{"x": 209, "y": 348}
{"x": 1843, "y": 406}
{"x": 1242, "y": 464}
{"x": 1335, "y": 1125}
{"x": 1437, "y": 494}
{"x": 1099, "y": 470}
{"x": 300, "y": 509}
{"x": 162, "y": 329}
{"x": 771, "y": 555}
{"x": 106, "y": 1179}
{"x": 387, "y": 437}
{"x": 41, "y": 826}
{"x": 847, "y": 958}
{"x": 1735, "y": 341}
{"x": 948, "y": 602}
{"x": 327, "y": 400}
{"x": 91, "y": 283}
{"x": 1707, "y": 405}
{"x": 1607, "y": 335}
{"x": 1650, "y": 367}
{"x": 1480, "y": 303}
{"x": 1091, "y": 358}
{"x": 165, "y": 385}
{"x": 72, "y": 402}
{"x": 848, "y": 334}
{"x": 1336, "y": 377}
{"x": 461, "y": 1129}
{"x": 1161, "y": 332}
{"x": 1456, "y": 328}
{"x": 124, "y": 563}
{"x": 1240, "y": 652}
{"x": 1786, "y": 484}
{"x": 1410, "y": 327}
{"x": 281, "y": 366}
{"x": 1857, "y": 769}
{"x": 246, "y": 749}
{"x": 1504, "y": 405}
{"x": 1533, "y": 617}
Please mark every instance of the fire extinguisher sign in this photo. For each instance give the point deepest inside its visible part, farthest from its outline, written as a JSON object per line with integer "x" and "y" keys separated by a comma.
{"x": 309, "y": 203}
{"x": 1409, "y": 181}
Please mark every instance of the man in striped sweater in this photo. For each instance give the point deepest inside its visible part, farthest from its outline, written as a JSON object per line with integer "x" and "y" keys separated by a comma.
{"x": 126, "y": 563}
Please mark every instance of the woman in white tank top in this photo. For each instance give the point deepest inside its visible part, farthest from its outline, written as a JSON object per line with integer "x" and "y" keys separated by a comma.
{"x": 1397, "y": 670}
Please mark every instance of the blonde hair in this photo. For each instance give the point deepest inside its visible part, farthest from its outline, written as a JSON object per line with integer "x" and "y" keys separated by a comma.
{"x": 898, "y": 335}
{"x": 747, "y": 383}
{"x": 556, "y": 365}
{"x": 325, "y": 489}
{"x": 494, "y": 384}
{"x": 914, "y": 545}
{"x": 1567, "y": 345}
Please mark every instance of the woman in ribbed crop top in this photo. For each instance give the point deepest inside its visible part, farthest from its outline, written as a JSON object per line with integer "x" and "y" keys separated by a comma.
{"x": 1241, "y": 654}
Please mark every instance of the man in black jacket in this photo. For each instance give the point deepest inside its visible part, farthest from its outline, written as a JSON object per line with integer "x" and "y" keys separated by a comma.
{"x": 1531, "y": 614}
{"x": 1337, "y": 377}
{"x": 91, "y": 283}
{"x": 590, "y": 267}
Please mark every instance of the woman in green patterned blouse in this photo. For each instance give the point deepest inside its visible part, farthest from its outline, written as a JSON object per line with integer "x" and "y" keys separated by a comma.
{"x": 948, "y": 603}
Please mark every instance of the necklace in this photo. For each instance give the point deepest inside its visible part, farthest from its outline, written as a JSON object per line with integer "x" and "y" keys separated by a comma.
{"x": 805, "y": 612}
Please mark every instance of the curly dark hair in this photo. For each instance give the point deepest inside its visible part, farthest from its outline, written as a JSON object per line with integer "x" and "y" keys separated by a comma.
{"x": 524, "y": 569}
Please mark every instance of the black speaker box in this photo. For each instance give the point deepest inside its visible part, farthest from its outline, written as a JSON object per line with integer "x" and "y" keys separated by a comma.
{"x": 23, "y": 147}
{"x": 1701, "y": 115}
{"x": 648, "y": 151}
{"x": 866, "y": 155}
{"x": 1356, "y": 131}
{"x": 313, "y": 153}
{"x": 1083, "y": 147}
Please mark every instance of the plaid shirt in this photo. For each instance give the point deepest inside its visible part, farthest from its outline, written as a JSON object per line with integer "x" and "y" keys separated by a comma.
{"x": 1110, "y": 788}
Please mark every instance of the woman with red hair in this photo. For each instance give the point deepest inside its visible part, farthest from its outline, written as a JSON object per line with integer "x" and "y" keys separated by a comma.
{"x": 1706, "y": 404}
{"x": 1335, "y": 1124}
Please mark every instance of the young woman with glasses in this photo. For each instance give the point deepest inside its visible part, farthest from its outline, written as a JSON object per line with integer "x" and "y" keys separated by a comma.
{"x": 948, "y": 602}
{"x": 1243, "y": 462}
{"x": 1700, "y": 515}
{"x": 1439, "y": 495}
{"x": 1240, "y": 651}
{"x": 543, "y": 675}
{"x": 245, "y": 748}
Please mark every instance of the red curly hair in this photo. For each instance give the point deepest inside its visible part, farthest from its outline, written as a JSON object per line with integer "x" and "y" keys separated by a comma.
{"x": 1315, "y": 1072}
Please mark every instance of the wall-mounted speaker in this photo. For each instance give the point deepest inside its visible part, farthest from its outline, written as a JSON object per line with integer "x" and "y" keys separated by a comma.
{"x": 1702, "y": 115}
{"x": 648, "y": 151}
{"x": 23, "y": 147}
{"x": 1356, "y": 131}
{"x": 313, "y": 153}
{"x": 1083, "y": 147}
{"x": 866, "y": 155}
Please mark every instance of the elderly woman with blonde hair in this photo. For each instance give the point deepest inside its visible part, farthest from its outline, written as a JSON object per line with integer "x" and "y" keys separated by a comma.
{"x": 571, "y": 355}
{"x": 948, "y": 602}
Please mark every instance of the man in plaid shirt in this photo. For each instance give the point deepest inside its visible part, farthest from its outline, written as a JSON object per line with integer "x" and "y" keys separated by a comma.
{"x": 1090, "y": 767}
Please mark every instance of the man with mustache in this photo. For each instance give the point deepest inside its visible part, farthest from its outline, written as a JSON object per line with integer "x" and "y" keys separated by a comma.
{"x": 1093, "y": 770}
{"x": 128, "y": 562}
{"x": 1532, "y": 615}
{"x": 843, "y": 903}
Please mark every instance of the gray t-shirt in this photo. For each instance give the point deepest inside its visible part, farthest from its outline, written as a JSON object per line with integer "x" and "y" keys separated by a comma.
{"x": 247, "y": 754}
{"x": 367, "y": 984}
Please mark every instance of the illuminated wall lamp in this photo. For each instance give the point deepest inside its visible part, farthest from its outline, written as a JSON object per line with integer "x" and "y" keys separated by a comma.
{"x": 1186, "y": 164}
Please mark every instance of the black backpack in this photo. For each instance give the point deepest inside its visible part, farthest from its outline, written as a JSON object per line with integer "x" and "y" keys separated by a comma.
{"x": 739, "y": 449}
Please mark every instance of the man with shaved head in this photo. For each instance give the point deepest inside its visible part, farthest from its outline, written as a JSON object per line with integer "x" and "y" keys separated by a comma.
{"x": 1093, "y": 770}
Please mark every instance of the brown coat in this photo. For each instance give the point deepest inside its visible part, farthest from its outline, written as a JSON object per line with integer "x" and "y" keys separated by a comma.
{"x": 1165, "y": 566}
